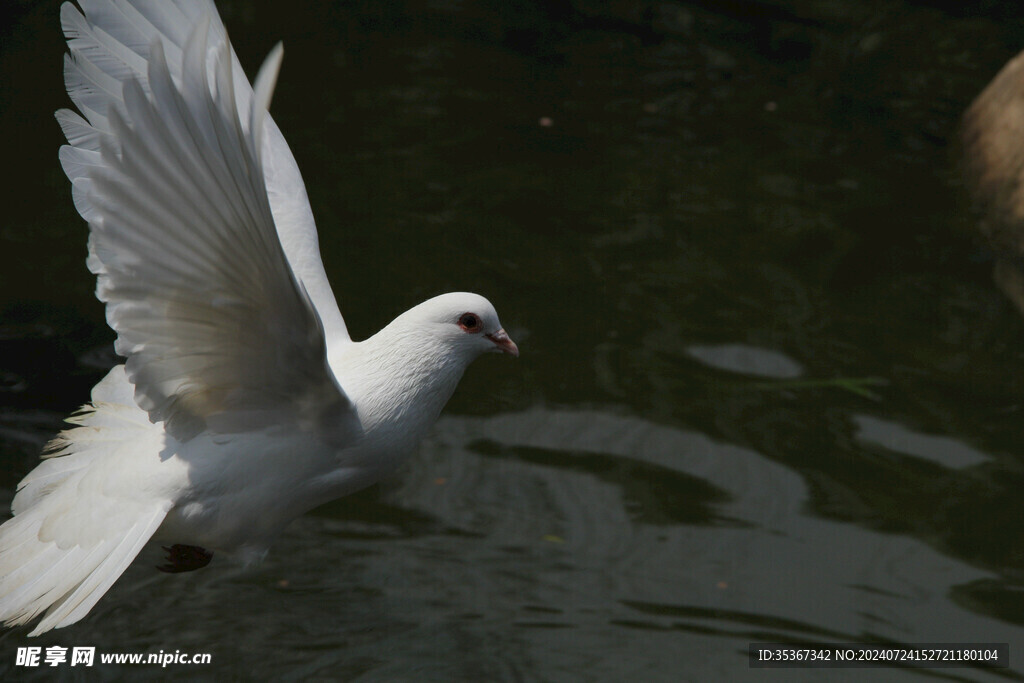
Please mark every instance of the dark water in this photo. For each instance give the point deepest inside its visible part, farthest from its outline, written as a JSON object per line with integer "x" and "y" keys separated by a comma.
{"x": 767, "y": 390}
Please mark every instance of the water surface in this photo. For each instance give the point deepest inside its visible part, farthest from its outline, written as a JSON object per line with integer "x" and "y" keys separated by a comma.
{"x": 767, "y": 389}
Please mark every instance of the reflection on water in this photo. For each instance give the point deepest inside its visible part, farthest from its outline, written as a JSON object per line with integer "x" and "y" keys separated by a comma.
{"x": 767, "y": 390}
{"x": 485, "y": 559}
{"x": 747, "y": 360}
{"x": 894, "y": 436}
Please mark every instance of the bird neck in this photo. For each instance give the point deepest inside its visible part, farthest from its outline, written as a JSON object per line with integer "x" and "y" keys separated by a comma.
{"x": 399, "y": 381}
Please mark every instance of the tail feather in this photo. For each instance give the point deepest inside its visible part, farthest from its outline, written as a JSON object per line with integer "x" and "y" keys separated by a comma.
{"x": 43, "y": 568}
{"x": 99, "y": 429}
{"x": 77, "y": 603}
{"x": 80, "y": 517}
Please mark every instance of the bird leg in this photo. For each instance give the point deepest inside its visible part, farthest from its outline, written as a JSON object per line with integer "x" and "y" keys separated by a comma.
{"x": 185, "y": 558}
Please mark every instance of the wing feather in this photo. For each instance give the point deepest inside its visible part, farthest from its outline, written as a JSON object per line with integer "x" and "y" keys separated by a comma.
{"x": 218, "y": 331}
{"x": 113, "y": 43}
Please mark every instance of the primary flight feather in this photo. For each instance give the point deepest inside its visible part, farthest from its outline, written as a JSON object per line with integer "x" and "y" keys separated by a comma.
{"x": 242, "y": 401}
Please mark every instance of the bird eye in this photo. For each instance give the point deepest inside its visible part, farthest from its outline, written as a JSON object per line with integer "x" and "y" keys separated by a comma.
{"x": 469, "y": 322}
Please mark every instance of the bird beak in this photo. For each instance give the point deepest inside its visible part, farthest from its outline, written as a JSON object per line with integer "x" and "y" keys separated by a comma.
{"x": 503, "y": 343}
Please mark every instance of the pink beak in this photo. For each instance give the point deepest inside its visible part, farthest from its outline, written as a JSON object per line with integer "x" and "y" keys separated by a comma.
{"x": 504, "y": 343}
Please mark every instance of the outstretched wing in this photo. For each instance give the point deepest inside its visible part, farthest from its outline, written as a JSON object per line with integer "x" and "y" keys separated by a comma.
{"x": 111, "y": 43}
{"x": 219, "y": 330}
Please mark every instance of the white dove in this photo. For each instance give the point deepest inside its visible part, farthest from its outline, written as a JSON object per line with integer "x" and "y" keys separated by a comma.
{"x": 242, "y": 402}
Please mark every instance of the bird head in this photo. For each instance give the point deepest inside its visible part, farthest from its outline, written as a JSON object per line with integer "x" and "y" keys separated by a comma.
{"x": 463, "y": 322}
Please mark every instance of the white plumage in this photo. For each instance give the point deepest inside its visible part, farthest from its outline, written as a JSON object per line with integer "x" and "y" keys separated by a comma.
{"x": 242, "y": 401}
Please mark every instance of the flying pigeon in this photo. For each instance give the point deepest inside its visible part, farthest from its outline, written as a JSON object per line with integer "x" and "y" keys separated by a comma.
{"x": 242, "y": 401}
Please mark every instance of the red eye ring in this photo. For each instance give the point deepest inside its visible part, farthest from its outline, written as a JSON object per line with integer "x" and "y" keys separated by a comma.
{"x": 470, "y": 322}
